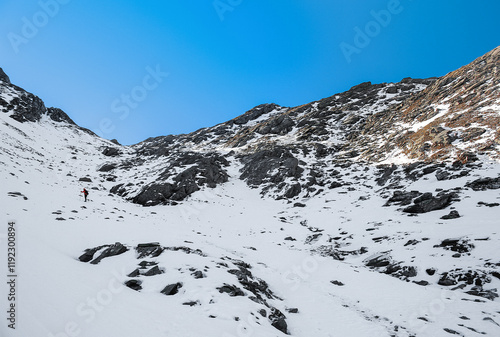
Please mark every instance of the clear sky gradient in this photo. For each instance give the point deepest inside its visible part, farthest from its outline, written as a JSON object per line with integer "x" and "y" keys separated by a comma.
{"x": 136, "y": 69}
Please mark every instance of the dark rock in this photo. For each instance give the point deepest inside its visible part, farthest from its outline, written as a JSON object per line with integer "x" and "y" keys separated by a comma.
{"x": 135, "y": 273}
{"x": 111, "y": 151}
{"x": 279, "y": 125}
{"x": 270, "y": 166}
{"x": 112, "y": 250}
{"x": 278, "y": 320}
{"x": 446, "y": 282}
{"x": 484, "y": 184}
{"x": 186, "y": 250}
{"x": 338, "y": 254}
{"x": 312, "y": 238}
{"x": 386, "y": 174}
{"x": 293, "y": 310}
{"x": 432, "y": 204}
{"x": 399, "y": 271}
{"x": 154, "y": 194}
{"x": 490, "y": 294}
{"x": 380, "y": 260}
{"x": 107, "y": 167}
{"x": 153, "y": 271}
{"x": 421, "y": 283}
{"x": 402, "y": 198}
{"x": 430, "y": 271}
{"x": 119, "y": 190}
{"x": 494, "y": 204}
{"x": 465, "y": 277}
{"x": 152, "y": 249}
{"x": 255, "y": 113}
{"x": 204, "y": 169}
{"x": 172, "y": 289}
{"x": 451, "y": 331}
{"x": 442, "y": 175}
{"x": 337, "y": 283}
{"x": 293, "y": 191}
{"x": 423, "y": 197}
{"x": 289, "y": 238}
{"x": 411, "y": 243}
{"x": 191, "y": 303}
{"x": 134, "y": 284}
{"x": 451, "y": 215}
{"x": 58, "y": 115}
{"x": 299, "y": 204}
{"x": 198, "y": 274}
{"x": 3, "y": 77}
{"x": 27, "y": 108}
{"x": 335, "y": 184}
{"x": 231, "y": 290}
{"x": 146, "y": 264}
{"x": 85, "y": 179}
{"x": 460, "y": 245}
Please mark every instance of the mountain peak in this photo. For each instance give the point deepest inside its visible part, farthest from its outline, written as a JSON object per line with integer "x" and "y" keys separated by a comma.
{"x": 4, "y": 77}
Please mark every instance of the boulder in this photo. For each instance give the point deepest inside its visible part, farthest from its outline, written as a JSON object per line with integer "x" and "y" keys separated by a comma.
{"x": 278, "y": 320}
{"x": 484, "y": 184}
{"x": 451, "y": 215}
{"x": 430, "y": 204}
{"x": 172, "y": 289}
{"x": 231, "y": 290}
{"x": 111, "y": 151}
{"x": 112, "y": 250}
{"x": 134, "y": 284}
{"x": 107, "y": 167}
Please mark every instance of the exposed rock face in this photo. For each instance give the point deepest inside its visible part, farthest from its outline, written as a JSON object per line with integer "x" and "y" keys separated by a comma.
{"x": 3, "y": 77}
{"x": 428, "y": 203}
{"x": 435, "y": 121}
{"x": 109, "y": 250}
{"x": 58, "y": 115}
{"x": 289, "y": 152}
{"x": 484, "y": 184}
{"x": 24, "y": 106}
{"x": 201, "y": 171}
{"x": 271, "y": 166}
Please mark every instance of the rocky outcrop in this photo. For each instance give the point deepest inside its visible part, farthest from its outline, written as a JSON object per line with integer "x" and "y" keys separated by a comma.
{"x": 270, "y": 166}
{"x": 3, "y": 77}
{"x": 177, "y": 182}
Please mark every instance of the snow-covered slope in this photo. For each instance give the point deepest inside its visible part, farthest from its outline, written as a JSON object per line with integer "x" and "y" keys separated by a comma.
{"x": 266, "y": 225}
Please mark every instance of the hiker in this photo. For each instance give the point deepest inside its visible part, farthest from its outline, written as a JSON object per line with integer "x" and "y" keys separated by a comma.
{"x": 85, "y": 193}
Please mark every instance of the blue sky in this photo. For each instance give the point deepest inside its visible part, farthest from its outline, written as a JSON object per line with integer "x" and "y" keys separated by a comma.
{"x": 136, "y": 69}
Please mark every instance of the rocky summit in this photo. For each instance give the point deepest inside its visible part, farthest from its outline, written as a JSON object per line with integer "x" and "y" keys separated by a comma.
{"x": 373, "y": 212}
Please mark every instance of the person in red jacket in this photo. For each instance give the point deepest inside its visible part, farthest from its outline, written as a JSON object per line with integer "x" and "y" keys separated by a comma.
{"x": 85, "y": 194}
